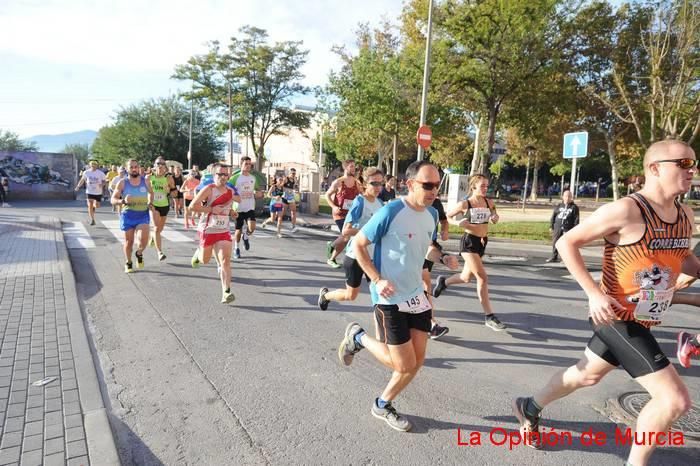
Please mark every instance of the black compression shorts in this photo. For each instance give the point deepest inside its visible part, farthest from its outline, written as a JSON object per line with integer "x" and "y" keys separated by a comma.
{"x": 630, "y": 345}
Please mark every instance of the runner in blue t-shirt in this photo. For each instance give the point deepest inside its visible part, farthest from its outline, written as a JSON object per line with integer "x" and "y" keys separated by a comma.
{"x": 401, "y": 232}
{"x": 364, "y": 206}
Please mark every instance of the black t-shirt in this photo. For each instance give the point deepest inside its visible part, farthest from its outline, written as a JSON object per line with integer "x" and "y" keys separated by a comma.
{"x": 387, "y": 195}
{"x": 437, "y": 205}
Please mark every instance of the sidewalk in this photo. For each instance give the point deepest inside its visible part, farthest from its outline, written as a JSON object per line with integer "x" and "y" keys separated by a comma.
{"x": 51, "y": 408}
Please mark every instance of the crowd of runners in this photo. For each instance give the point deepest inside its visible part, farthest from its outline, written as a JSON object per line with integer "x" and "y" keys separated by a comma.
{"x": 393, "y": 243}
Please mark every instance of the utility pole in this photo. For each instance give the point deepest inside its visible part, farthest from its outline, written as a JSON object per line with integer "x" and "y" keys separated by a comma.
{"x": 189, "y": 150}
{"x": 230, "y": 126}
{"x": 426, "y": 75}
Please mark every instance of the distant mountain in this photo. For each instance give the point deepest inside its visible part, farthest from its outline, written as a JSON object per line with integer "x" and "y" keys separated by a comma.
{"x": 56, "y": 142}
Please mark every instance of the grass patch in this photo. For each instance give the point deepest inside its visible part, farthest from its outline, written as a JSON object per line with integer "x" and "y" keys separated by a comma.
{"x": 537, "y": 231}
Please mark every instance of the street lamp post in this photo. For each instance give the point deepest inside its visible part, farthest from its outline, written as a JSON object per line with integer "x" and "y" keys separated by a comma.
{"x": 426, "y": 74}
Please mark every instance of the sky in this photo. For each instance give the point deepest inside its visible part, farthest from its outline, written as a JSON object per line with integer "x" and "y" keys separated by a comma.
{"x": 68, "y": 65}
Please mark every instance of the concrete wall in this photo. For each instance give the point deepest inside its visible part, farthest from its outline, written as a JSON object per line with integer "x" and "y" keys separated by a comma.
{"x": 39, "y": 175}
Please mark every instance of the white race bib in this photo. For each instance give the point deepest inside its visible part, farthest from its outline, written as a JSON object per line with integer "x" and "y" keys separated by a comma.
{"x": 347, "y": 203}
{"x": 220, "y": 221}
{"x": 415, "y": 305}
{"x": 652, "y": 305}
{"x": 479, "y": 215}
{"x": 158, "y": 196}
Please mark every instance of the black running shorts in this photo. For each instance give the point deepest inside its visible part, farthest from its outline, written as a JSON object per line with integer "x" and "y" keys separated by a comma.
{"x": 428, "y": 264}
{"x": 630, "y": 345}
{"x": 243, "y": 216}
{"x": 395, "y": 326}
{"x": 353, "y": 272}
{"x": 473, "y": 244}
{"x": 94, "y": 197}
{"x": 163, "y": 211}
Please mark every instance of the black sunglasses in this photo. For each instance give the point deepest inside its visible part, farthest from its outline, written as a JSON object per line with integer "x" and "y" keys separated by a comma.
{"x": 160, "y": 163}
{"x": 685, "y": 164}
{"x": 222, "y": 174}
{"x": 376, "y": 183}
{"x": 427, "y": 186}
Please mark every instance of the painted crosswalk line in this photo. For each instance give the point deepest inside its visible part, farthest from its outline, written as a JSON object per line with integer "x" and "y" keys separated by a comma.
{"x": 77, "y": 236}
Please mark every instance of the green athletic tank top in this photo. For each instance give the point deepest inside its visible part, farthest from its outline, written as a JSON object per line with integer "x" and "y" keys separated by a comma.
{"x": 160, "y": 190}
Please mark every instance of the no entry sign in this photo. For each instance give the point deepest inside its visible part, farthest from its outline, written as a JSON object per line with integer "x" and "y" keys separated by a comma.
{"x": 424, "y": 137}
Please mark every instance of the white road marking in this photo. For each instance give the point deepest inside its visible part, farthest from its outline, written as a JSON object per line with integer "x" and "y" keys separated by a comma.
{"x": 77, "y": 236}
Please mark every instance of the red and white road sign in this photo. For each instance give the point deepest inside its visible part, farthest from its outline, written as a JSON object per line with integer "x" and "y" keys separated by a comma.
{"x": 424, "y": 137}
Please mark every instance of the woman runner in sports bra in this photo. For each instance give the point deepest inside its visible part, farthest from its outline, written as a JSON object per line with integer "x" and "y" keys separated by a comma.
{"x": 478, "y": 212}
{"x": 214, "y": 226}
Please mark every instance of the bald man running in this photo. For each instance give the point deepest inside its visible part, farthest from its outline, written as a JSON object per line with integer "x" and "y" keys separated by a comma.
{"x": 647, "y": 246}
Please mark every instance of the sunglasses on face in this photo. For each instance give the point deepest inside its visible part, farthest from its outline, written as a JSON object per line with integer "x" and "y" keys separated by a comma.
{"x": 160, "y": 163}
{"x": 685, "y": 164}
{"x": 428, "y": 186}
{"x": 376, "y": 184}
{"x": 222, "y": 174}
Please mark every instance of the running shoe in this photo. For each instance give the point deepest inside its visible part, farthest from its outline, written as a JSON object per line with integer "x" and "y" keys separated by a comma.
{"x": 237, "y": 253}
{"x": 227, "y": 297}
{"x": 279, "y": 235}
{"x": 92, "y": 222}
{"x": 263, "y": 225}
{"x": 685, "y": 350}
{"x": 129, "y": 268}
{"x": 440, "y": 286}
{"x": 152, "y": 242}
{"x": 529, "y": 426}
{"x": 437, "y": 331}
{"x": 333, "y": 263}
{"x": 139, "y": 259}
{"x": 348, "y": 347}
{"x": 195, "y": 260}
{"x": 293, "y": 229}
{"x": 161, "y": 256}
{"x": 494, "y": 324}
{"x": 389, "y": 415}
{"x": 246, "y": 241}
{"x": 329, "y": 249}
{"x": 322, "y": 301}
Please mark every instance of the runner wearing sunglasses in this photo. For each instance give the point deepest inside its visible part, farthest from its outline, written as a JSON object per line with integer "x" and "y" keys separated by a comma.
{"x": 363, "y": 207}
{"x": 401, "y": 232}
{"x": 647, "y": 246}
{"x": 214, "y": 226}
{"x": 478, "y": 211}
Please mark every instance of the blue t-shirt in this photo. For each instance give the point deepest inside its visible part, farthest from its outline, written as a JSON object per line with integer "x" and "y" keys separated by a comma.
{"x": 360, "y": 213}
{"x": 401, "y": 237}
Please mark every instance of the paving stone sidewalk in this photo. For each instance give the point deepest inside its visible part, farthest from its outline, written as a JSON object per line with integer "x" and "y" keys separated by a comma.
{"x": 43, "y": 337}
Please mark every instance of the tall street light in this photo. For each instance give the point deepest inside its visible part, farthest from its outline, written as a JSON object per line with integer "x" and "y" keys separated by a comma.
{"x": 426, "y": 74}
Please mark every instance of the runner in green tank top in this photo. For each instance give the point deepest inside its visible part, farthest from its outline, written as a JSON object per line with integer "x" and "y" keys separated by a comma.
{"x": 163, "y": 186}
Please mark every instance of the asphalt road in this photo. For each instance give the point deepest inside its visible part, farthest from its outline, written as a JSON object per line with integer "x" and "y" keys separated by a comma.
{"x": 192, "y": 381}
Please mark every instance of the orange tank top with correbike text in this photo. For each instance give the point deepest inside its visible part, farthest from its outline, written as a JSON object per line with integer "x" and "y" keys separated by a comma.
{"x": 641, "y": 275}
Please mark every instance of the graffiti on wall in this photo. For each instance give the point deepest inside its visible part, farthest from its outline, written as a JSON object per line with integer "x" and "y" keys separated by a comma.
{"x": 34, "y": 175}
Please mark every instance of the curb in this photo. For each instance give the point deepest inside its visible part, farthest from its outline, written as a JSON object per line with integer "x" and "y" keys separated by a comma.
{"x": 102, "y": 449}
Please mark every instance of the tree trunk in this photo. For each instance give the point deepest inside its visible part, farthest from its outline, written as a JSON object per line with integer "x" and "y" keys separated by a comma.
{"x": 612, "y": 155}
{"x": 486, "y": 158}
{"x": 533, "y": 191}
{"x": 477, "y": 144}
{"x": 259, "y": 158}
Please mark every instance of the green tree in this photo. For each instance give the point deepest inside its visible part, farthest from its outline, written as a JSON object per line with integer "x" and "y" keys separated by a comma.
{"x": 499, "y": 50}
{"x": 375, "y": 100}
{"x": 157, "y": 127}
{"x": 81, "y": 151}
{"x": 260, "y": 78}
{"x": 11, "y": 142}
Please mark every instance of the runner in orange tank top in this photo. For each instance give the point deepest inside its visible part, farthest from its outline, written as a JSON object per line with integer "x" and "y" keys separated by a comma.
{"x": 647, "y": 246}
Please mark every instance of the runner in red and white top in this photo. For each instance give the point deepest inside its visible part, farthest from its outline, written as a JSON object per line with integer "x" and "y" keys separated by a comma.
{"x": 214, "y": 226}
{"x": 340, "y": 196}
